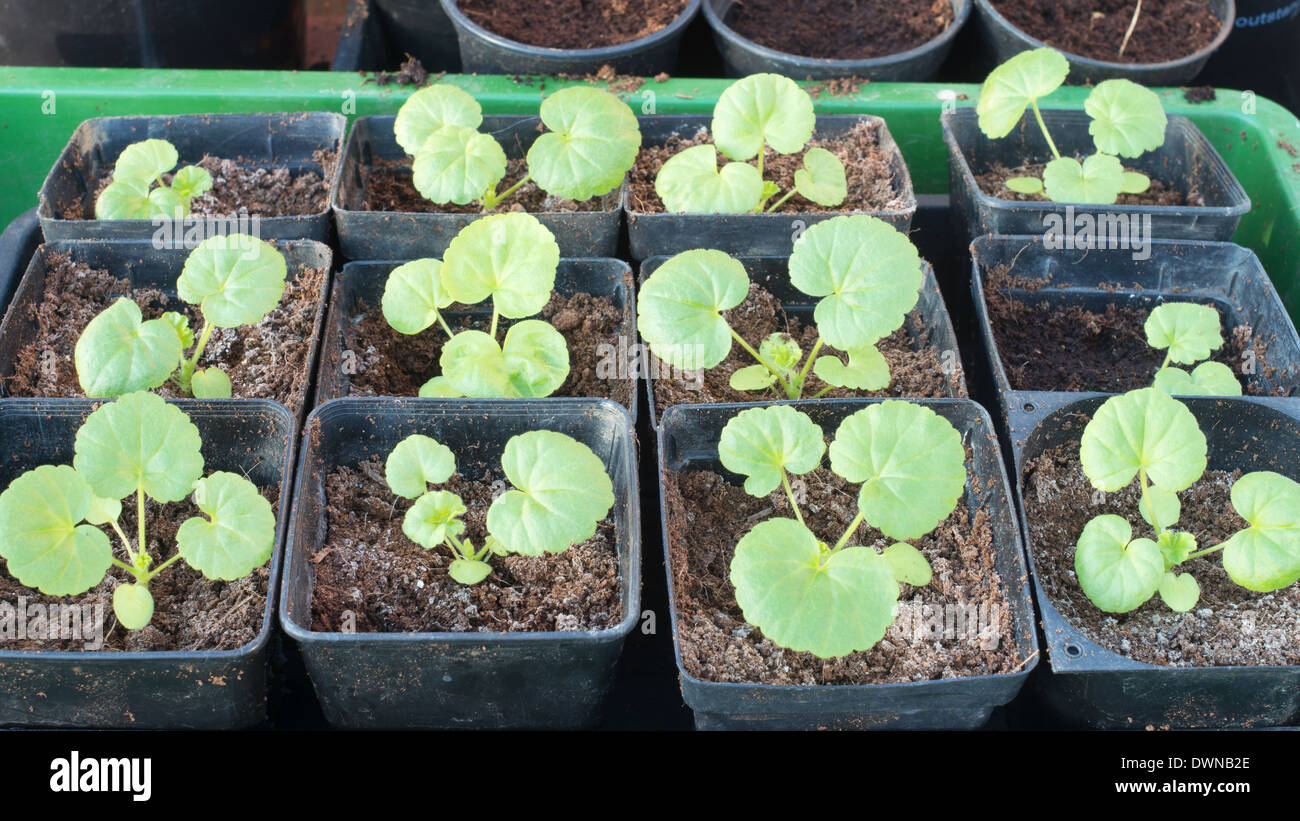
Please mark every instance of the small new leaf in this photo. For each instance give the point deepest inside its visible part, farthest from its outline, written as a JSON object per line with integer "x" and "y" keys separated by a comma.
{"x": 468, "y": 571}
{"x": 752, "y": 378}
{"x": 433, "y": 518}
{"x": 1206, "y": 379}
{"x": 191, "y": 181}
{"x": 1176, "y": 546}
{"x": 822, "y": 179}
{"x": 1144, "y": 429}
{"x": 1189, "y": 331}
{"x": 909, "y": 564}
{"x": 417, "y": 462}
{"x": 210, "y": 383}
{"x": 764, "y": 443}
{"x": 1180, "y": 592}
{"x": 239, "y": 533}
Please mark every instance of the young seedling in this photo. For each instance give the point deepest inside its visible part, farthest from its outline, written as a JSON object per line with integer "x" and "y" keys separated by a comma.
{"x": 510, "y": 259}
{"x": 806, "y": 594}
{"x": 1189, "y": 332}
{"x": 758, "y": 112}
{"x": 592, "y": 143}
{"x": 132, "y": 194}
{"x": 866, "y": 273}
{"x": 561, "y": 492}
{"x": 51, "y": 518}
{"x": 1148, "y": 435}
{"x": 1127, "y": 121}
{"x": 234, "y": 280}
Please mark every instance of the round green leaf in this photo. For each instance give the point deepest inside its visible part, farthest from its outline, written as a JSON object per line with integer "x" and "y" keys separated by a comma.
{"x": 511, "y": 258}
{"x": 1147, "y": 430}
{"x": 868, "y": 272}
{"x": 1135, "y": 182}
{"x": 1266, "y": 555}
{"x": 458, "y": 165}
{"x": 123, "y": 200}
{"x": 679, "y": 308}
{"x": 417, "y": 462}
{"x": 909, "y": 564}
{"x": 536, "y": 358}
{"x": 434, "y": 518}
{"x": 762, "y": 109}
{"x": 1159, "y": 507}
{"x": 164, "y": 203}
{"x": 593, "y": 141}
{"x": 119, "y": 353}
{"x": 468, "y": 571}
{"x": 1098, "y": 180}
{"x": 1206, "y": 379}
{"x": 1176, "y": 546}
{"x": 413, "y": 296}
{"x": 235, "y": 279}
{"x": 139, "y": 441}
{"x": 1127, "y": 119}
{"x": 761, "y": 443}
{"x": 752, "y": 378}
{"x": 807, "y": 599}
{"x": 867, "y": 370}
{"x": 1116, "y": 574}
{"x": 1012, "y": 86}
{"x": 210, "y": 383}
{"x": 41, "y": 535}
{"x": 191, "y": 181}
{"x": 1025, "y": 185}
{"x": 239, "y": 533}
{"x": 690, "y": 182}
{"x": 145, "y": 161}
{"x": 910, "y": 462}
{"x": 473, "y": 365}
{"x": 103, "y": 511}
{"x": 132, "y": 605}
{"x": 822, "y": 179}
{"x": 562, "y": 493}
{"x": 1179, "y": 592}
{"x": 1188, "y": 330}
{"x": 439, "y": 387}
{"x": 430, "y": 109}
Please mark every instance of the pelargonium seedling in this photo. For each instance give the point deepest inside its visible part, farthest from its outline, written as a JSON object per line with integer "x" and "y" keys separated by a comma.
{"x": 592, "y": 142}
{"x": 1149, "y": 436}
{"x": 233, "y": 280}
{"x": 511, "y": 260}
{"x": 137, "y": 191}
{"x": 830, "y": 599}
{"x": 866, "y": 273}
{"x": 755, "y": 113}
{"x": 52, "y": 517}
{"x": 1189, "y": 333}
{"x": 560, "y": 494}
{"x": 1127, "y": 121}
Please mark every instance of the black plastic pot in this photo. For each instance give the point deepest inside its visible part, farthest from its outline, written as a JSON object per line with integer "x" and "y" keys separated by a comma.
{"x": 461, "y": 680}
{"x": 279, "y": 140}
{"x": 363, "y": 282}
{"x": 419, "y": 28}
{"x": 689, "y": 441}
{"x": 170, "y": 689}
{"x": 1092, "y": 686}
{"x": 928, "y": 324}
{"x": 1226, "y": 276}
{"x": 374, "y": 235}
{"x": 1186, "y": 162}
{"x": 144, "y": 267}
{"x": 17, "y": 244}
{"x": 1006, "y": 41}
{"x": 743, "y": 56}
{"x": 1261, "y": 54}
{"x": 750, "y": 234}
{"x": 483, "y": 52}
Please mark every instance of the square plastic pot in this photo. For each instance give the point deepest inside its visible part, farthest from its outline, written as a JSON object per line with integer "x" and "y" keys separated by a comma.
{"x": 167, "y": 689}
{"x": 688, "y": 441}
{"x": 372, "y": 235}
{"x": 665, "y": 234}
{"x": 17, "y": 244}
{"x": 458, "y": 680}
{"x": 144, "y": 266}
{"x": 281, "y": 140}
{"x": 363, "y": 282}
{"x": 1088, "y": 685}
{"x": 928, "y": 323}
{"x": 1226, "y": 276}
{"x": 1187, "y": 161}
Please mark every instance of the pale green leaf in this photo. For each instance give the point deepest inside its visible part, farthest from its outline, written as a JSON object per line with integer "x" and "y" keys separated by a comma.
{"x": 679, "y": 308}
{"x": 1098, "y": 180}
{"x": 1206, "y": 379}
{"x": 1180, "y": 592}
{"x": 1135, "y": 182}
{"x": 1266, "y": 555}
{"x": 102, "y": 511}
{"x": 239, "y": 533}
{"x": 139, "y": 441}
{"x": 762, "y": 109}
{"x": 764, "y": 443}
{"x": 1176, "y": 546}
{"x": 822, "y": 179}
{"x": 1159, "y": 507}
{"x": 1012, "y": 86}
{"x": 1147, "y": 430}
{"x": 181, "y": 323}
{"x": 123, "y": 200}
{"x": 235, "y": 279}
{"x": 473, "y": 365}
{"x": 593, "y": 141}
{"x": 192, "y": 181}
{"x": 458, "y": 165}
{"x": 439, "y": 387}
{"x": 867, "y": 370}
{"x": 511, "y": 258}
{"x": 145, "y": 161}
{"x": 781, "y": 351}
{"x": 132, "y": 605}
{"x": 413, "y": 296}
{"x": 468, "y": 571}
{"x": 210, "y": 383}
{"x": 909, "y": 564}
{"x": 434, "y": 519}
{"x": 417, "y": 462}
{"x": 164, "y": 203}
{"x": 119, "y": 353}
{"x": 752, "y": 378}
{"x": 1117, "y": 573}
{"x": 430, "y": 109}
{"x": 1127, "y": 119}
{"x": 536, "y": 357}
{"x": 1025, "y": 185}
{"x": 41, "y": 536}
{"x": 1189, "y": 331}
{"x": 690, "y": 182}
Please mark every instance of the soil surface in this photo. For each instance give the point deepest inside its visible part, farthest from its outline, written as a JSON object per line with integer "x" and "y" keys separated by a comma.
{"x": 993, "y": 183}
{"x": 912, "y": 372}
{"x": 387, "y": 187}
{"x": 1229, "y": 625}
{"x": 264, "y": 361}
{"x": 573, "y": 24}
{"x": 369, "y": 568}
{"x": 1166, "y": 29}
{"x": 395, "y": 364}
{"x": 1047, "y": 348}
{"x": 707, "y": 517}
{"x": 866, "y": 165}
{"x": 840, "y": 30}
{"x": 191, "y": 612}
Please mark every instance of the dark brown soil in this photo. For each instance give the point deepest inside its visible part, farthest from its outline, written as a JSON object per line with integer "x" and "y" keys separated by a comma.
{"x": 912, "y": 372}
{"x": 1046, "y": 348}
{"x": 1200, "y": 94}
{"x": 611, "y": 80}
{"x": 1229, "y": 625}
{"x": 389, "y": 584}
{"x": 394, "y": 364}
{"x": 707, "y": 517}
{"x": 993, "y": 183}
{"x": 840, "y": 29}
{"x": 387, "y": 186}
{"x": 866, "y": 165}
{"x": 265, "y": 361}
{"x": 1166, "y": 30}
{"x": 191, "y": 612}
{"x": 411, "y": 73}
{"x": 573, "y": 24}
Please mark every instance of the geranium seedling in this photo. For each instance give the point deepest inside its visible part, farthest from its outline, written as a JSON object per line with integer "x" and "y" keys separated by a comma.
{"x": 51, "y": 517}
{"x": 560, "y": 493}
{"x": 233, "y": 280}
{"x": 1189, "y": 333}
{"x": 866, "y": 274}
{"x": 137, "y": 191}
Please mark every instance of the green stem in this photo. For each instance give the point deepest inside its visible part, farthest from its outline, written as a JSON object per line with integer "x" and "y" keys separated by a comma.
{"x": 780, "y": 202}
{"x": 491, "y": 199}
{"x": 148, "y": 577}
{"x": 1207, "y": 551}
{"x": 789, "y": 494}
{"x": 492, "y": 332}
{"x": 189, "y": 365}
{"x": 1038, "y": 114}
{"x": 445, "y": 326}
{"x": 848, "y": 534}
{"x": 790, "y": 390}
{"x": 762, "y": 154}
{"x": 822, "y": 392}
{"x": 134, "y": 573}
{"x": 139, "y": 515}
{"x": 807, "y": 366}
{"x": 117, "y": 528}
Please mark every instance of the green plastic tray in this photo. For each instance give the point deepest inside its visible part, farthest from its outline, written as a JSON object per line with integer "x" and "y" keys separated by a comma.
{"x": 39, "y": 108}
